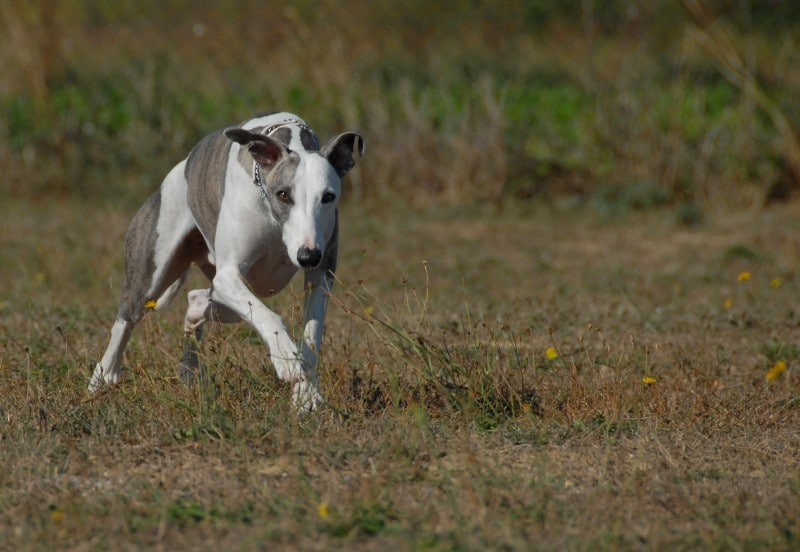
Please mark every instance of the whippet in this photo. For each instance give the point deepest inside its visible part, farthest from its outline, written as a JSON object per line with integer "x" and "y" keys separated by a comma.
{"x": 249, "y": 206}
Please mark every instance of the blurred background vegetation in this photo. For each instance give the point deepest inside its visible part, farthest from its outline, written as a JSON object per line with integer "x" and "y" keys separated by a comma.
{"x": 618, "y": 104}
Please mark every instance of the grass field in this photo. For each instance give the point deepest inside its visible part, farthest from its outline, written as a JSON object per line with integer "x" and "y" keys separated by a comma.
{"x": 566, "y": 315}
{"x": 485, "y": 382}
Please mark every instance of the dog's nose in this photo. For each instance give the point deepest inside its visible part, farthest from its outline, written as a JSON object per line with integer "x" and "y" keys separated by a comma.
{"x": 309, "y": 258}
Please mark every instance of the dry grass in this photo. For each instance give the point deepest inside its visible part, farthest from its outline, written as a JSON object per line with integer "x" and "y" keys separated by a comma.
{"x": 582, "y": 372}
{"x": 446, "y": 426}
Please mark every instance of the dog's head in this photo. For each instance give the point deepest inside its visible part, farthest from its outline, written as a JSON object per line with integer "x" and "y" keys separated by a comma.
{"x": 302, "y": 187}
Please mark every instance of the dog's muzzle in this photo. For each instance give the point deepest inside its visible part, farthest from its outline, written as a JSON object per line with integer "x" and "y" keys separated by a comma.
{"x": 309, "y": 258}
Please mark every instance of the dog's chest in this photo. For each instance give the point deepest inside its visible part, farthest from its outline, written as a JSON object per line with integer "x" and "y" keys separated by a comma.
{"x": 270, "y": 274}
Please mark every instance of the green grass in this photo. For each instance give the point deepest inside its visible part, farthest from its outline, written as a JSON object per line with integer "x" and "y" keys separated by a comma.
{"x": 631, "y": 107}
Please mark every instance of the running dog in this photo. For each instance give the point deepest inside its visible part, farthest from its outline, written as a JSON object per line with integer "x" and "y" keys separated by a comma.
{"x": 250, "y": 206}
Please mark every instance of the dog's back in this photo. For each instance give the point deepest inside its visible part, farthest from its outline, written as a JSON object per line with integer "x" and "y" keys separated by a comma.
{"x": 205, "y": 171}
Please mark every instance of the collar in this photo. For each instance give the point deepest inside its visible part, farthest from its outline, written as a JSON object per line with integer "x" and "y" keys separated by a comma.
{"x": 289, "y": 122}
{"x": 257, "y": 179}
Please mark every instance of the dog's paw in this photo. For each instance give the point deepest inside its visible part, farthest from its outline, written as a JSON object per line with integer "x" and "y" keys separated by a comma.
{"x": 306, "y": 397}
{"x": 100, "y": 379}
{"x": 188, "y": 373}
{"x": 288, "y": 368}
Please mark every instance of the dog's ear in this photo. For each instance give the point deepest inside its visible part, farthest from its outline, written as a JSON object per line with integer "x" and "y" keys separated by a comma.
{"x": 264, "y": 149}
{"x": 339, "y": 151}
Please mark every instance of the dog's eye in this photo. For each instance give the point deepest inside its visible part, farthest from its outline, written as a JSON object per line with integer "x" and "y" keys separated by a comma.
{"x": 327, "y": 197}
{"x": 283, "y": 195}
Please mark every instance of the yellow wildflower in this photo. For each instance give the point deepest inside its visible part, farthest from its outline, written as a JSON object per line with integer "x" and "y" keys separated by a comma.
{"x": 777, "y": 369}
{"x": 728, "y": 303}
{"x": 776, "y": 282}
{"x": 55, "y": 514}
{"x": 648, "y": 380}
{"x": 368, "y": 310}
{"x": 322, "y": 510}
{"x": 151, "y": 304}
{"x": 550, "y": 353}
{"x": 744, "y": 276}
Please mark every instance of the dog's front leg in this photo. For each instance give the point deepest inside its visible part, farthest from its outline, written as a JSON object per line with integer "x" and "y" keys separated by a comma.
{"x": 230, "y": 290}
{"x": 318, "y": 284}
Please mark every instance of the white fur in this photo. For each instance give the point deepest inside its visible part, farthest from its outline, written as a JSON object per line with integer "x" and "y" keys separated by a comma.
{"x": 311, "y": 223}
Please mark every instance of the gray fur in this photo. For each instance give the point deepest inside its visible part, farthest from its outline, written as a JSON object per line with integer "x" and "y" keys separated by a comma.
{"x": 140, "y": 264}
{"x": 281, "y": 177}
{"x": 283, "y": 135}
{"x": 329, "y": 260}
{"x": 190, "y": 363}
{"x": 140, "y": 284}
{"x": 205, "y": 177}
{"x": 309, "y": 140}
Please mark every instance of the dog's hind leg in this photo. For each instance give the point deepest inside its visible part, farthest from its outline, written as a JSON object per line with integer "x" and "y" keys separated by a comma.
{"x": 161, "y": 243}
{"x": 112, "y": 359}
{"x": 193, "y": 333}
{"x": 120, "y": 334}
{"x": 140, "y": 267}
{"x": 201, "y": 310}
{"x": 169, "y": 294}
